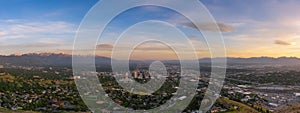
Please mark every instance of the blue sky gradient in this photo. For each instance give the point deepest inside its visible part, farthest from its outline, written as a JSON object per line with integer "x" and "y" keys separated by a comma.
{"x": 252, "y": 27}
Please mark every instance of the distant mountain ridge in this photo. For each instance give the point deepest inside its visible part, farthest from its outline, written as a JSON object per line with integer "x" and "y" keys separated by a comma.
{"x": 43, "y": 59}
{"x": 258, "y": 60}
{"x": 51, "y": 59}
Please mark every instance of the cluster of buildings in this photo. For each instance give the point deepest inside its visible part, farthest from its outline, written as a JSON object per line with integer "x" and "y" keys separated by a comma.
{"x": 274, "y": 97}
{"x": 53, "y": 99}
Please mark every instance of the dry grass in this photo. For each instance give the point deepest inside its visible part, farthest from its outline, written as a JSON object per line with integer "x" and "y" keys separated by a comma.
{"x": 7, "y": 78}
{"x": 242, "y": 107}
{"x": 290, "y": 109}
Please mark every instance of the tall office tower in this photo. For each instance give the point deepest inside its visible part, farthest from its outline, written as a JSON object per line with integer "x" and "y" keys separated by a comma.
{"x": 135, "y": 74}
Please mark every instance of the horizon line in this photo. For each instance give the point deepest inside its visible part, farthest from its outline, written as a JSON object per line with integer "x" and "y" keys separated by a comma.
{"x": 53, "y": 53}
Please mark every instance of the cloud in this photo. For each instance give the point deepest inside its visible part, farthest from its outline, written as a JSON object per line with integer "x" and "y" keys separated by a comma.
{"x": 17, "y": 35}
{"x": 99, "y": 48}
{"x": 211, "y": 26}
{"x": 153, "y": 48}
{"x": 31, "y": 45}
{"x": 107, "y": 47}
{"x": 41, "y": 27}
{"x": 15, "y": 29}
{"x": 245, "y": 38}
{"x": 194, "y": 36}
{"x": 281, "y": 42}
{"x": 2, "y": 33}
{"x": 149, "y": 46}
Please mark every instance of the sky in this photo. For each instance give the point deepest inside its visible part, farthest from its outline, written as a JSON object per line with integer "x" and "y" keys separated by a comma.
{"x": 251, "y": 28}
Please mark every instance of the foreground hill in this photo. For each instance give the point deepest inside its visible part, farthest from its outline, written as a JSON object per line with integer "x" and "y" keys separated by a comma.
{"x": 4, "y": 110}
{"x": 290, "y": 109}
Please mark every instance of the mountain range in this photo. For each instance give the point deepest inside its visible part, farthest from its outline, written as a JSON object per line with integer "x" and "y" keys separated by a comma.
{"x": 44, "y": 59}
{"x": 51, "y": 59}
